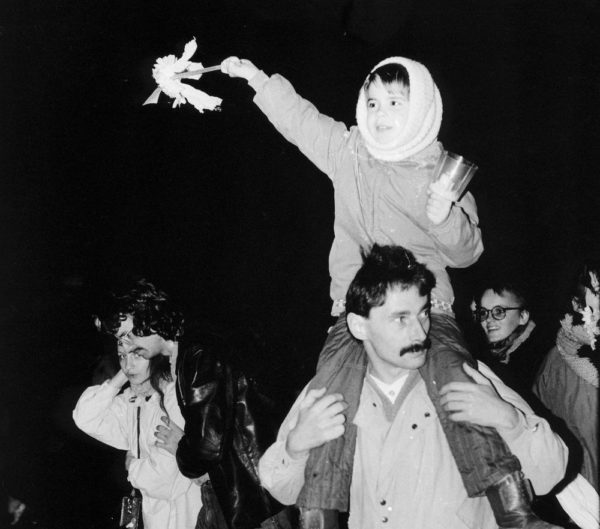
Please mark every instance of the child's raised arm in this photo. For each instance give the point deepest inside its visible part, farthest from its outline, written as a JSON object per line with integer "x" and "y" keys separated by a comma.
{"x": 236, "y": 67}
{"x": 320, "y": 138}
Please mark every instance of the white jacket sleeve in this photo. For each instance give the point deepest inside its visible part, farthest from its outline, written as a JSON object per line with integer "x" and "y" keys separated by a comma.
{"x": 542, "y": 453}
{"x": 281, "y": 475}
{"x": 320, "y": 138}
{"x": 102, "y": 415}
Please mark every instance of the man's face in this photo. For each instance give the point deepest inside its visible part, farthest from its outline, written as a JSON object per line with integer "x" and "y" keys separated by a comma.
{"x": 387, "y": 110}
{"x": 395, "y": 334}
{"x": 496, "y": 330}
{"x": 144, "y": 346}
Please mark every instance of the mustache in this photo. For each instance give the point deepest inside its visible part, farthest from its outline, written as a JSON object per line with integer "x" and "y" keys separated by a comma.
{"x": 416, "y": 347}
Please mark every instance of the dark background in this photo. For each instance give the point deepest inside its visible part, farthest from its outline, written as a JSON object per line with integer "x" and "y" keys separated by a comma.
{"x": 221, "y": 212}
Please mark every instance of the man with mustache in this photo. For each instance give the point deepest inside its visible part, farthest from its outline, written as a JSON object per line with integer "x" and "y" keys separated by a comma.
{"x": 403, "y": 472}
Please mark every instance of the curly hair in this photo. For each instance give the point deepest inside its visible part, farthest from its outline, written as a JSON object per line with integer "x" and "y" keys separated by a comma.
{"x": 150, "y": 308}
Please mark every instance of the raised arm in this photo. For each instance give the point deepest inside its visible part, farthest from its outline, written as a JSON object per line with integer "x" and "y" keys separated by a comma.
{"x": 320, "y": 138}
{"x": 103, "y": 416}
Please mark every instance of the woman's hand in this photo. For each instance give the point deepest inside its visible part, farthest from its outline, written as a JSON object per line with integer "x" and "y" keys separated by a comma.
{"x": 118, "y": 381}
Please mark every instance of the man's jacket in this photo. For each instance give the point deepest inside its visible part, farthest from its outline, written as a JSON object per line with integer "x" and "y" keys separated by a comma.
{"x": 223, "y": 437}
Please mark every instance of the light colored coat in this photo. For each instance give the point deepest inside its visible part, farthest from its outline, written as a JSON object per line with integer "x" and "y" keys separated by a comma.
{"x": 375, "y": 201}
{"x": 404, "y": 473}
{"x": 170, "y": 500}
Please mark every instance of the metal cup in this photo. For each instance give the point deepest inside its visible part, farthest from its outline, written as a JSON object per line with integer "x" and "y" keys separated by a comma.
{"x": 455, "y": 172}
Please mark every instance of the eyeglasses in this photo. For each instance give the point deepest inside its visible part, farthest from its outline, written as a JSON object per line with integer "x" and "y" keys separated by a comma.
{"x": 497, "y": 312}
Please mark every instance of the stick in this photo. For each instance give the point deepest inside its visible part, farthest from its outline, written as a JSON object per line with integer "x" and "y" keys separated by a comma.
{"x": 184, "y": 75}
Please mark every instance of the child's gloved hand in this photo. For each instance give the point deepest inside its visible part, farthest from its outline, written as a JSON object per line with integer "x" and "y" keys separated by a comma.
{"x": 236, "y": 67}
{"x": 440, "y": 200}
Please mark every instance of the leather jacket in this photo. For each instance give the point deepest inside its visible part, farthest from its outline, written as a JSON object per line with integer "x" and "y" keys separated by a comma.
{"x": 222, "y": 437}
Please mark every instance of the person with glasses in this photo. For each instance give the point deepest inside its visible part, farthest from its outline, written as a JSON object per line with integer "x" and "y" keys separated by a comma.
{"x": 512, "y": 347}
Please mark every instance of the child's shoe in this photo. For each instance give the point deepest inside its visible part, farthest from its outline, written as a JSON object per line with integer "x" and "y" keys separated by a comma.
{"x": 510, "y": 499}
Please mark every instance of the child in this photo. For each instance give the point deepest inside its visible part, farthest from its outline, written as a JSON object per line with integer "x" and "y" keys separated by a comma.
{"x": 382, "y": 176}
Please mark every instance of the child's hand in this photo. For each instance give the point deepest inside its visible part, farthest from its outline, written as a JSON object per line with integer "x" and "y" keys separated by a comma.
{"x": 236, "y": 67}
{"x": 439, "y": 202}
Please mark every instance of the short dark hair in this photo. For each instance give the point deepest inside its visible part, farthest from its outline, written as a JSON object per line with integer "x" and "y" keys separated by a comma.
{"x": 385, "y": 267}
{"x": 503, "y": 286}
{"x": 389, "y": 73}
{"x": 151, "y": 309}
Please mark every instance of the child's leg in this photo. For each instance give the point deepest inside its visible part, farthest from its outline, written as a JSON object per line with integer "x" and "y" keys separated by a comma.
{"x": 341, "y": 369}
{"x": 492, "y": 459}
{"x": 485, "y": 462}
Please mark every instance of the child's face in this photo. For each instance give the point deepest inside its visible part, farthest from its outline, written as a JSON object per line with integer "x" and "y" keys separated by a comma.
{"x": 387, "y": 110}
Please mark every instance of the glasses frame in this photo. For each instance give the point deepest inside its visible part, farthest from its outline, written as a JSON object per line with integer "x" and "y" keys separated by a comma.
{"x": 490, "y": 312}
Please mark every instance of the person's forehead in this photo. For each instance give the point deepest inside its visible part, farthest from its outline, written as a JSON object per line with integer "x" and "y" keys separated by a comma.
{"x": 398, "y": 299}
{"x": 493, "y": 298}
{"x": 378, "y": 89}
{"x": 126, "y": 326}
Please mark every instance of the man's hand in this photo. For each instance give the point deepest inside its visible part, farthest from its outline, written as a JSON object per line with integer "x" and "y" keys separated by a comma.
{"x": 478, "y": 402}
{"x": 321, "y": 419}
{"x": 168, "y": 436}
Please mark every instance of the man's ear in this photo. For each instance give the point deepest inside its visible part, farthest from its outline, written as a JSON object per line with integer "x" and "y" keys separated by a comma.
{"x": 524, "y": 318}
{"x": 357, "y": 326}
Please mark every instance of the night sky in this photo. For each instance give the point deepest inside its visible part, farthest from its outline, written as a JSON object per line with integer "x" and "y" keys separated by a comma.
{"x": 222, "y": 212}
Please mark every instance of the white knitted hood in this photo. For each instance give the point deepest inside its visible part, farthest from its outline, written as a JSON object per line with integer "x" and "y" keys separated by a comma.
{"x": 424, "y": 115}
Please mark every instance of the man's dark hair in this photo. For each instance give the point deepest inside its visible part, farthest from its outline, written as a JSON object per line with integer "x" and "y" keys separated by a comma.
{"x": 386, "y": 267}
{"x": 388, "y": 74}
{"x": 151, "y": 309}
